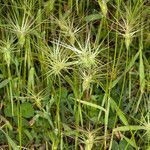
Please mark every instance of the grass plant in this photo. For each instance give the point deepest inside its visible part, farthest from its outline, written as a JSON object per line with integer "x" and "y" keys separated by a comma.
{"x": 75, "y": 75}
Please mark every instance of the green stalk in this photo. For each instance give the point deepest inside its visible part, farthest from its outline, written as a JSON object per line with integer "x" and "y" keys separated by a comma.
{"x": 141, "y": 68}
{"x": 60, "y": 8}
{"x": 107, "y": 92}
{"x": 70, "y": 4}
{"x": 98, "y": 36}
{"x": 76, "y": 108}
{"x": 77, "y": 6}
{"x": 19, "y": 117}
{"x": 9, "y": 145}
{"x": 58, "y": 106}
{"x": 10, "y": 89}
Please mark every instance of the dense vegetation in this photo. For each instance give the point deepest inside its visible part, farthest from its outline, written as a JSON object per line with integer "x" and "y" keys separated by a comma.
{"x": 74, "y": 75}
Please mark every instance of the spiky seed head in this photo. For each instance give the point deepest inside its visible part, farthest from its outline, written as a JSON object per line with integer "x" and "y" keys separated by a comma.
{"x": 58, "y": 59}
{"x": 87, "y": 56}
{"x": 87, "y": 79}
{"x": 68, "y": 26}
{"x": 21, "y": 38}
{"x": 6, "y": 49}
{"x": 21, "y": 25}
{"x": 128, "y": 39}
{"x": 89, "y": 142}
{"x": 57, "y": 67}
{"x": 87, "y": 59}
{"x": 129, "y": 23}
{"x": 7, "y": 56}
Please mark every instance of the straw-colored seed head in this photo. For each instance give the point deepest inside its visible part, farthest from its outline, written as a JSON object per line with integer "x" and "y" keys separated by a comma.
{"x": 71, "y": 37}
{"x": 87, "y": 60}
{"x": 38, "y": 102}
{"x": 21, "y": 38}
{"x": 89, "y": 142}
{"x": 6, "y": 50}
{"x": 129, "y": 22}
{"x": 58, "y": 67}
{"x": 58, "y": 59}
{"x": 7, "y": 57}
{"x": 128, "y": 40}
{"x": 87, "y": 79}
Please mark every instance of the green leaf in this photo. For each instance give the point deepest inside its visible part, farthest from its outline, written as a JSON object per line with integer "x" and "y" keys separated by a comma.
{"x": 119, "y": 112}
{"x": 91, "y": 104}
{"x": 131, "y": 142}
{"x": 25, "y": 123}
{"x": 28, "y": 134}
{"x": 27, "y": 110}
{"x": 10, "y": 141}
{"x": 93, "y": 17}
{"x": 129, "y": 128}
{"x": 4, "y": 83}
{"x": 132, "y": 62}
{"x": 8, "y": 110}
{"x": 7, "y": 123}
{"x": 115, "y": 145}
{"x": 111, "y": 120}
{"x": 124, "y": 145}
{"x": 64, "y": 92}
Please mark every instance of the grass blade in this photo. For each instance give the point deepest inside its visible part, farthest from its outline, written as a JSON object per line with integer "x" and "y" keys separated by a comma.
{"x": 91, "y": 105}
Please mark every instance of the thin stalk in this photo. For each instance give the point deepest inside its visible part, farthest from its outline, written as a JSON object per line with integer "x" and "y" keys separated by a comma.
{"x": 98, "y": 36}
{"x": 60, "y": 8}
{"x": 114, "y": 61}
{"x": 77, "y": 6}
{"x": 58, "y": 106}
{"x": 130, "y": 84}
{"x": 107, "y": 92}
{"x": 9, "y": 145}
{"x": 70, "y": 4}
{"x": 47, "y": 146}
{"x": 10, "y": 89}
{"x": 76, "y": 110}
{"x": 141, "y": 67}
{"x": 19, "y": 115}
{"x": 61, "y": 142}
